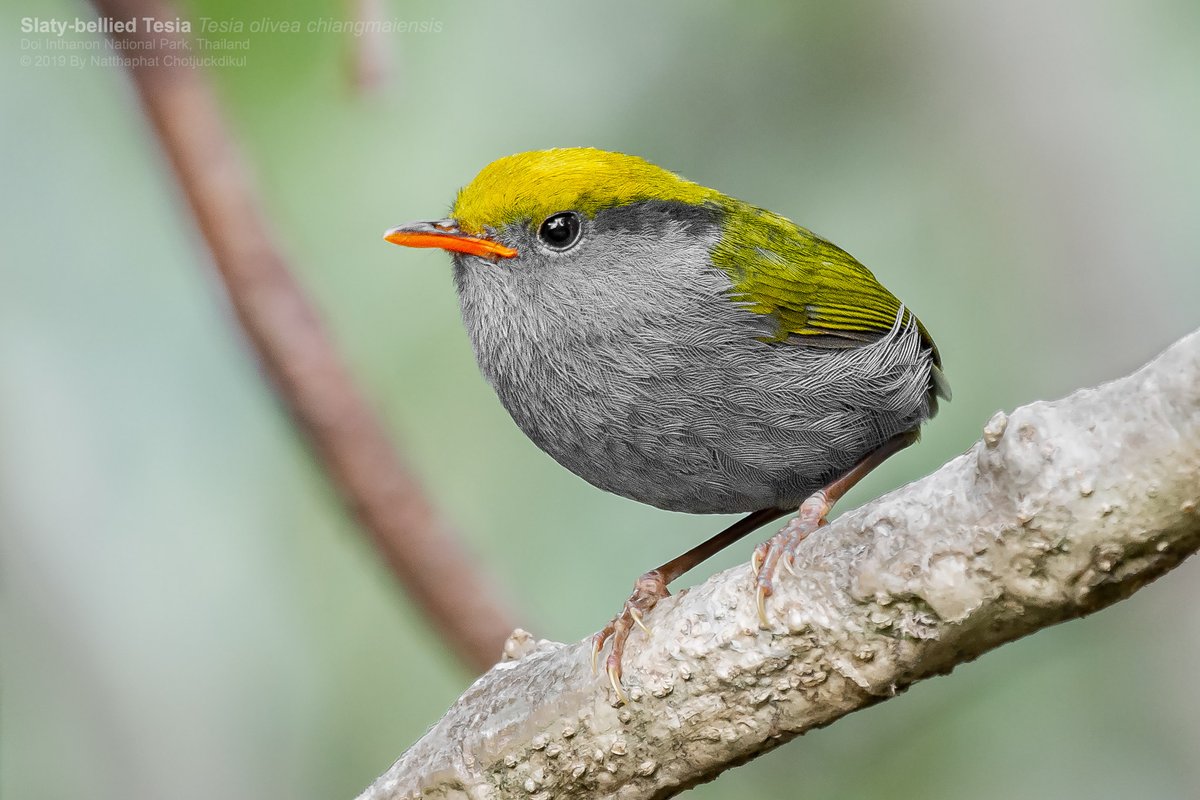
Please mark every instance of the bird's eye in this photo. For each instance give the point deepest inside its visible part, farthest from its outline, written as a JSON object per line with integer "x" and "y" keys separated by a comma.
{"x": 560, "y": 231}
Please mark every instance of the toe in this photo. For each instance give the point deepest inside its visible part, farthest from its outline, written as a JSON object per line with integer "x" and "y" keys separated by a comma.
{"x": 637, "y": 618}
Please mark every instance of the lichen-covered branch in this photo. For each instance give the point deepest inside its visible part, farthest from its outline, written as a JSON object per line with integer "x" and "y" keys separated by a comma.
{"x": 1061, "y": 509}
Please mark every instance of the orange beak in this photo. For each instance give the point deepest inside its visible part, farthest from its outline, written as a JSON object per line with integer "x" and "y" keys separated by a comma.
{"x": 446, "y": 235}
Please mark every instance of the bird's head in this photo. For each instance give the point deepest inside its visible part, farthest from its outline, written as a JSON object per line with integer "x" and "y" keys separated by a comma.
{"x": 568, "y": 204}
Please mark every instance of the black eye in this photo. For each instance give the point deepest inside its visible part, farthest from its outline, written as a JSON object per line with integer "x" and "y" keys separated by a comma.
{"x": 560, "y": 231}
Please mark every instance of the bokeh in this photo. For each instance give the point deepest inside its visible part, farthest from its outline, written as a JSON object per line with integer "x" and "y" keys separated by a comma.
{"x": 189, "y": 613}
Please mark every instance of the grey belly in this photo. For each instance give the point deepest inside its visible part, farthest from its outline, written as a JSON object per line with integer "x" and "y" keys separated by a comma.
{"x": 719, "y": 428}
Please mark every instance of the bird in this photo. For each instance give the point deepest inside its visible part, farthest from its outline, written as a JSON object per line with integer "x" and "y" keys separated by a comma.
{"x": 682, "y": 348}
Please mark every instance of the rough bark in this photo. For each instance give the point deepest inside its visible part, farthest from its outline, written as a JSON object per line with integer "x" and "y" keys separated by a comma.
{"x": 1060, "y": 509}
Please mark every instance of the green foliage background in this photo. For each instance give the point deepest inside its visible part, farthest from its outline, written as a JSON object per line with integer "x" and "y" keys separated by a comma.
{"x": 188, "y": 613}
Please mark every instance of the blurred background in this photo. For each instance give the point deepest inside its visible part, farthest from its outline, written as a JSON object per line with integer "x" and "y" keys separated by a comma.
{"x": 187, "y": 610}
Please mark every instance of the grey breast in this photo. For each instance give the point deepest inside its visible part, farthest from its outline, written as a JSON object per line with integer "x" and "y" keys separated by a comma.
{"x": 626, "y": 362}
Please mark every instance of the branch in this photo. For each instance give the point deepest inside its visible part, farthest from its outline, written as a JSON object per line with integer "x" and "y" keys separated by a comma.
{"x": 296, "y": 351}
{"x": 369, "y": 52}
{"x": 1060, "y": 510}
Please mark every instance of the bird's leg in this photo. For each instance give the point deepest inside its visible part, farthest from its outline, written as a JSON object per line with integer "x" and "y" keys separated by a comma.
{"x": 652, "y": 587}
{"x": 782, "y": 546}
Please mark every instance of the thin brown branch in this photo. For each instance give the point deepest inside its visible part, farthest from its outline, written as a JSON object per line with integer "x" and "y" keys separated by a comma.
{"x": 296, "y": 351}
{"x": 1061, "y": 509}
{"x": 370, "y": 54}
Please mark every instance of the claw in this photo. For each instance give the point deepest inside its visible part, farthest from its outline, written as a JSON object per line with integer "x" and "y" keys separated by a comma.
{"x": 756, "y": 560}
{"x": 762, "y": 607}
{"x": 637, "y": 618}
{"x": 789, "y": 563}
{"x": 614, "y": 678}
{"x": 596, "y": 647}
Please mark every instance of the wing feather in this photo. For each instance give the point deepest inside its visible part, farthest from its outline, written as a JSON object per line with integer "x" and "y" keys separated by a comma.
{"x": 814, "y": 289}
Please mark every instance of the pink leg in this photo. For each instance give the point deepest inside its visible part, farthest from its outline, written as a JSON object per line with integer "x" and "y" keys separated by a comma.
{"x": 652, "y": 587}
{"x": 782, "y": 546}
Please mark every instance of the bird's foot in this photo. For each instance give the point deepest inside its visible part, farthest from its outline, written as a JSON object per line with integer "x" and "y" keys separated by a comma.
{"x": 649, "y": 589}
{"x": 781, "y": 548}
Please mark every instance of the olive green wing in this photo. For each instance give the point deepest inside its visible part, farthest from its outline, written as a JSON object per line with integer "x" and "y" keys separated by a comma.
{"x": 814, "y": 289}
